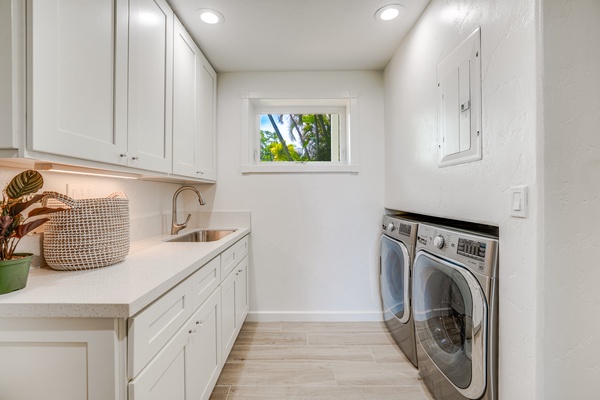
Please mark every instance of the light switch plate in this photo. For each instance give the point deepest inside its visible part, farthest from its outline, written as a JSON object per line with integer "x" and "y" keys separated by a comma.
{"x": 519, "y": 201}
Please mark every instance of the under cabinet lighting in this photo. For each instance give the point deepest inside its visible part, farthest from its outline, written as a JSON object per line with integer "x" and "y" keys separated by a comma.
{"x": 210, "y": 16}
{"x": 389, "y": 12}
{"x": 71, "y": 169}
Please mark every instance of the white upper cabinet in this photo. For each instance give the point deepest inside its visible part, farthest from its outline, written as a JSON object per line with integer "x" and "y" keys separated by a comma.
{"x": 194, "y": 98}
{"x": 77, "y": 81}
{"x": 150, "y": 85}
{"x": 207, "y": 158}
{"x": 108, "y": 84}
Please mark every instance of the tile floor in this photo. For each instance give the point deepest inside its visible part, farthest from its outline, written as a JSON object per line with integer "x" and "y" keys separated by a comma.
{"x": 314, "y": 360}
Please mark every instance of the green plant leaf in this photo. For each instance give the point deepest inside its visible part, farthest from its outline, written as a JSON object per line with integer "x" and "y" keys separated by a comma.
{"x": 27, "y": 182}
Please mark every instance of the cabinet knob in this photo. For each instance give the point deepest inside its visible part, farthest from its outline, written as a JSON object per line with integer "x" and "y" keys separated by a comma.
{"x": 200, "y": 172}
{"x": 135, "y": 158}
{"x": 123, "y": 155}
{"x": 199, "y": 323}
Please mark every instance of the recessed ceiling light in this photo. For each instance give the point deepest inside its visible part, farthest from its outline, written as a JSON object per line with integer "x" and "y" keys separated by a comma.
{"x": 389, "y": 12}
{"x": 211, "y": 16}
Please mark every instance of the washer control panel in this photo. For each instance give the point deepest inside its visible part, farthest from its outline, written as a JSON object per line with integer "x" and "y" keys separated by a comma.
{"x": 476, "y": 251}
{"x": 439, "y": 241}
{"x": 471, "y": 248}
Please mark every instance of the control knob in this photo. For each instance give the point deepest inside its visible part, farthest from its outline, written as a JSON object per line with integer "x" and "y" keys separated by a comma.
{"x": 390, "y": 227}
{"x": 438, "y": 242}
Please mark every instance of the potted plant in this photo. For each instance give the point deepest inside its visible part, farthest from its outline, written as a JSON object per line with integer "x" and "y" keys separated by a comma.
{"x": 17, "y": 197}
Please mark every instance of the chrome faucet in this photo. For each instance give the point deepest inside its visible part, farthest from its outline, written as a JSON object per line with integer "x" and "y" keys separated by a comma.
{"x": 175, "y": 227}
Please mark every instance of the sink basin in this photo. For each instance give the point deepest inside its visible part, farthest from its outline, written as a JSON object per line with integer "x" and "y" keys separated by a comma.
{"x": 202, "y": 236}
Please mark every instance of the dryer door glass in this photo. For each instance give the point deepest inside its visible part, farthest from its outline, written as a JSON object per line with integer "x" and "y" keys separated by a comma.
{"x": 395, "y": 277}
{"x": 450, "y": 315}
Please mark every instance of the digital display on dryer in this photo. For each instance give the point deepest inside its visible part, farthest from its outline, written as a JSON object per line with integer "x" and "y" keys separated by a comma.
{"x": 471, "y": 248}
{"x": 405, "y": 229}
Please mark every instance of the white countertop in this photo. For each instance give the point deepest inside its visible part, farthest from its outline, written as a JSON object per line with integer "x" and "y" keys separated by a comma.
{"x": 118, "y": 291}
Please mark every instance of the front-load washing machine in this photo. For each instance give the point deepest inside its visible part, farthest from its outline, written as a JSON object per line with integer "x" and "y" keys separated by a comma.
{"x": 396, "y": 256}
{"x": 455, "y": 303}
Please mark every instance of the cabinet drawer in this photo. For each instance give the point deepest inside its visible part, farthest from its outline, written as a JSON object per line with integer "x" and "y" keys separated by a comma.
{"x": 153, "y": 327}
{"x": 205, "y": 281}
{"x": 232, "y": 256}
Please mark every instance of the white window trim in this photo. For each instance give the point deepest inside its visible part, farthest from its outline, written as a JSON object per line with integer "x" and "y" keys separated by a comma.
{"x": 252, "y": 102}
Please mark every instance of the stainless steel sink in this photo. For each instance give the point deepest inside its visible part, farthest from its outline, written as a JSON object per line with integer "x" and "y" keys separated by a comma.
{"x": 202, "y": 236}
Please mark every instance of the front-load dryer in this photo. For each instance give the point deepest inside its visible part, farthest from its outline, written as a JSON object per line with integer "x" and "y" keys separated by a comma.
{"x": 455, "y": 303}
{"x": 396, "y": 256}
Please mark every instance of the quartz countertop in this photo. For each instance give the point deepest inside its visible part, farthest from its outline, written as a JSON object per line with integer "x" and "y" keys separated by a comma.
{"x": 152, "y": 267}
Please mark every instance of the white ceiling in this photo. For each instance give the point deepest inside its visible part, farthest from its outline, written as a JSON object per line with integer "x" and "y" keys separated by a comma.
{"x": 298, "y": 35}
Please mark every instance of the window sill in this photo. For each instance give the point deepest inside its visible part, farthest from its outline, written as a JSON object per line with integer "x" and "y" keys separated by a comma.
{"x": 299, "y": 168}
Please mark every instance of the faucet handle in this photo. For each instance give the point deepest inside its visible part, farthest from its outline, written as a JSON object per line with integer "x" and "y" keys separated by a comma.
{"x": 187, "y": 220}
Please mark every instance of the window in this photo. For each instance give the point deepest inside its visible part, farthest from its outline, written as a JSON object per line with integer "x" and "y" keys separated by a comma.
{"x": 299, "y": 133}
{"x": 299, "y": 137}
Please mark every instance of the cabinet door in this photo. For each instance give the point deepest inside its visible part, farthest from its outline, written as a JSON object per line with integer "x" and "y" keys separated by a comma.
{"x": 203, "y": 355}
{"x": 150, "y": 85}
{"x": 189, "y": 365}
{"x": 228, "y": 320}
{"x": 164, "y": 377}
{"x": 194, "y": 96}
{"x": 12, "y": 73}
{"x": 186, "y": 124}
{"x": 208, "y": 127}
{"x": 241, "y": 293}
{"x": 61, "y": 359}
{"x": 234, "y": 298}
{"x": 77, "y": 79}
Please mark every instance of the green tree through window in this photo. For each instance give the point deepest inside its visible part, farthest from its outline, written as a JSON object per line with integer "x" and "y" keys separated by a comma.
{"x": 297, "y": 137}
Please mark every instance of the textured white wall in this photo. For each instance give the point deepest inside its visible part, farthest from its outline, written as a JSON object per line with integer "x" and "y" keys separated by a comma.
{"x": 314, "y": 236}
{"x": 477, "y": 191}
{"x": 571, "y": 299}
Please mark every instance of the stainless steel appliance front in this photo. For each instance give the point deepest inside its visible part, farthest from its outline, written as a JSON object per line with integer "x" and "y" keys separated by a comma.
{"x": 455, "y": 303}
{"x": 396, "y": 256}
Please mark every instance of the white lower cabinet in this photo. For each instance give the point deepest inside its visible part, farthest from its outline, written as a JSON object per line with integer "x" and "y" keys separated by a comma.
{"x": 64, "y": 358}
{"x": 228, "y": 313}
{"x": 174, "y": 349}
{"x": 164, "y": 377}
{"x": 241, "y": 293}
{"x": 189, "y": 365}
{"x": 203, "y": 354}
{"x": 234, "y": 298}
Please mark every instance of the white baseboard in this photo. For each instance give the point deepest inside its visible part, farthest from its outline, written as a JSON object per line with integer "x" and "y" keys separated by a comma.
{"x": 320, "y": 316}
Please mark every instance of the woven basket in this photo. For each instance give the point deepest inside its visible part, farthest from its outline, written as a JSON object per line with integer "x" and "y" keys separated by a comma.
{"x": 93, "y": 233}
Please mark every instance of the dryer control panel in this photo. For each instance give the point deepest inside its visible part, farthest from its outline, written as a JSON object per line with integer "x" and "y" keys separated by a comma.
{"x": 399, "y": 228}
